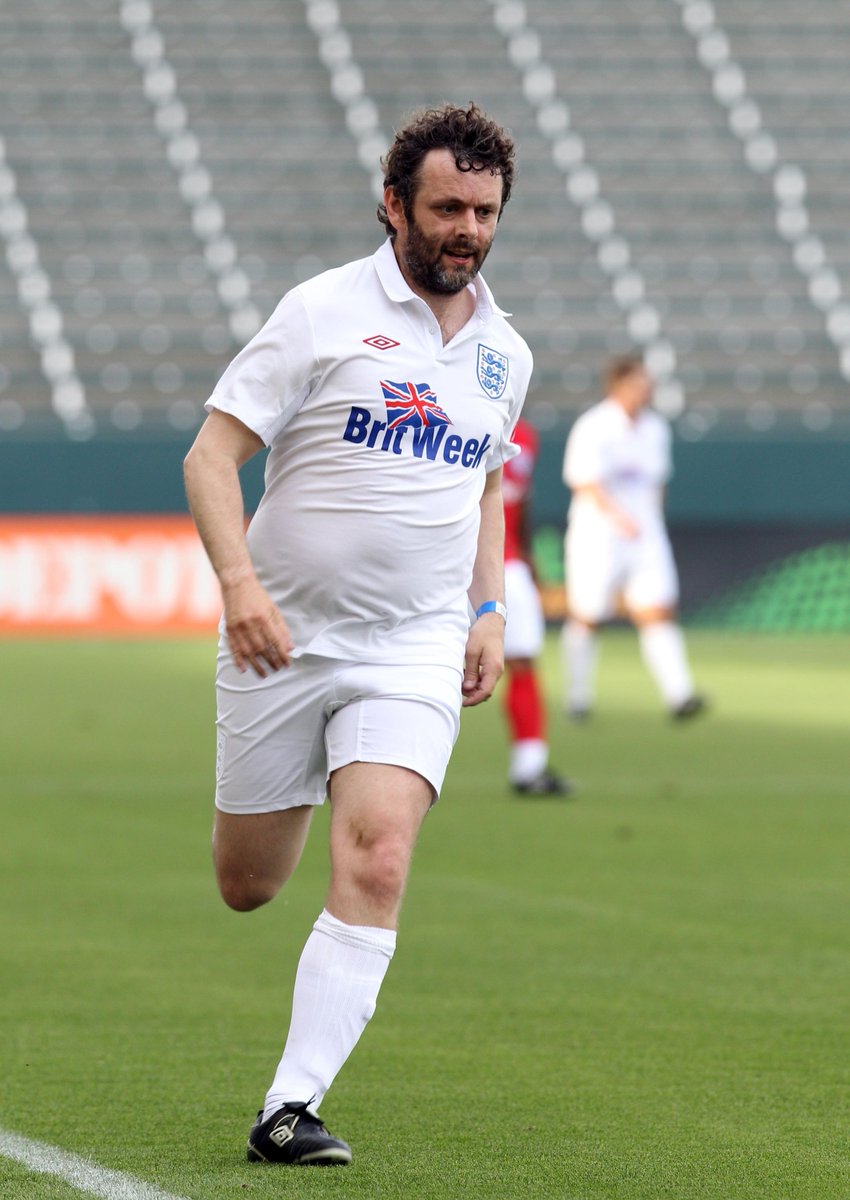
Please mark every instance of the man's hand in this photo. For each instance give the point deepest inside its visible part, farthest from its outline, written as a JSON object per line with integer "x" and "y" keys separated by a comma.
{"x": 484, "y": 661}
{"x": 625, "y": 524}
{"x": 258, "y": 635}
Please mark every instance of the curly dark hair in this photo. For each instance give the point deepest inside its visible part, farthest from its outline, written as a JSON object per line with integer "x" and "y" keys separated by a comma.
{"x": 477, "y": 143}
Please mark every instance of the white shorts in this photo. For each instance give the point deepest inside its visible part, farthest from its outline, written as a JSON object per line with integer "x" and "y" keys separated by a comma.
{"x": 604, "y": 570}
{"x": 526, "y": 627}
{"x": 279, "y": 738}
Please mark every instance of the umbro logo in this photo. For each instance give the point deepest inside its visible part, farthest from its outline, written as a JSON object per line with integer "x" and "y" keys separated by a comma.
{"x": 381, "y": 342}
{"x": 284, "y": 1131}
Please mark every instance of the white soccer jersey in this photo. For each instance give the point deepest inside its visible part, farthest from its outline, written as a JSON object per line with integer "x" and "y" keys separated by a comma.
{"x": 380, "y": 440}
{"x": 630, "y": 459}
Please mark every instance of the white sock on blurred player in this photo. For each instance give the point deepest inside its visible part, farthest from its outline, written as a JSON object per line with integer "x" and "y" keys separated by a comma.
{"x": 337, "y": 982}
{"x": 529, "y": 757}
{"x": 579, "y": 648}
{"x": 663, "y": 648}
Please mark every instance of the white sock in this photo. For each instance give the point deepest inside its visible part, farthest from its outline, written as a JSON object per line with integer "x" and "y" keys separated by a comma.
{"x": 337, "y": 982}
{"x": 579, "y": 645}
{"x": 529, "y": 757}
{"x": 663, "y": 648}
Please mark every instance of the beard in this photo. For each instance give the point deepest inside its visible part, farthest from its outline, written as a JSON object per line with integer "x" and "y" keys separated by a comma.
{"x": 422, "y": 257}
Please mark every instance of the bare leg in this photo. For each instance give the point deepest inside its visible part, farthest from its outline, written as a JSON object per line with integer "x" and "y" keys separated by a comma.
{"x": 377, "y": 813}
{"x": 255, "y": 853}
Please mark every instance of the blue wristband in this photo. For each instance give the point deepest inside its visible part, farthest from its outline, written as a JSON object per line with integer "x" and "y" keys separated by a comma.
{"x": 492, "y": 606}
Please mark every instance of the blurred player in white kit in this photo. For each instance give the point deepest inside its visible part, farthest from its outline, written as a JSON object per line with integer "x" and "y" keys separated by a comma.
{"x": 524, "y": 703}
{"x": 618, "y": 555}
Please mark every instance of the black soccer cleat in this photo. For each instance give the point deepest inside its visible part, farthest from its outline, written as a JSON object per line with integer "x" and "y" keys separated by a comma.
{"x": 692, "y": 707}
{"x": 547, "y": 783}
{"x": 295, "y": 1136}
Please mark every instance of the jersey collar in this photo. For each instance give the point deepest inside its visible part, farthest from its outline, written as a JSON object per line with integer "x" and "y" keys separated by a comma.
{"x": 618, "y": 413}
{"x": 398, "y": 289}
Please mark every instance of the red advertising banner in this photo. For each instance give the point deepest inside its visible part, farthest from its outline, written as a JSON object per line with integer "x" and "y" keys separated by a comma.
{"x": 105, "y": 575}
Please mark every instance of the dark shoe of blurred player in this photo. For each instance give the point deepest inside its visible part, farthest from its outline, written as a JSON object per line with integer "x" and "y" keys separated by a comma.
{"x": 694, "y": 706}
{"x": 547, "y": 783}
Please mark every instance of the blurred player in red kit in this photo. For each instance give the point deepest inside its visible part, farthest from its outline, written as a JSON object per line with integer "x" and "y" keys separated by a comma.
{"x": 525, "y": 709}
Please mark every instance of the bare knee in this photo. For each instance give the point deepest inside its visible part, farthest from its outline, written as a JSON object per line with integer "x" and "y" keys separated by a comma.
{"x": 255, "y": 854}
{"x": 652, "y": 616}
{"x": 245, "y": 893}
{"x": 378, "y": 869}
{"x": 377, "y": 812}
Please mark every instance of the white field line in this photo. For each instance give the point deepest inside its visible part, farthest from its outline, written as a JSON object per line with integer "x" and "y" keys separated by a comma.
{"x": 78, "y": 1172}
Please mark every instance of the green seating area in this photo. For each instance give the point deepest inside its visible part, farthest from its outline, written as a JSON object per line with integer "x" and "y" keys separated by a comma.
{"x": 803, "y": 593}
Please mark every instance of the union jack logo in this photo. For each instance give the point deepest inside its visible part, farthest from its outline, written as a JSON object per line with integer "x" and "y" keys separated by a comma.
{"x": 412, "y": 404}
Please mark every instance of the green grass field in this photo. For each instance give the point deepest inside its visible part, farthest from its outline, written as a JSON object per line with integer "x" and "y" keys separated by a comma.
{"x": 640, "y": 993}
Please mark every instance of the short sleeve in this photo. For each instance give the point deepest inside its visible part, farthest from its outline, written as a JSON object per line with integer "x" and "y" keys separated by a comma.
{"x": 666, "y": 440}
{"x": 583, "y": 458}
{"x": 267, "y": 382}
{"x": 505, "y": 449}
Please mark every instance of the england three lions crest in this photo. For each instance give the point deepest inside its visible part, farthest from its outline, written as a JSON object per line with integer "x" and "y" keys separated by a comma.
{"x": 492, "y": 371}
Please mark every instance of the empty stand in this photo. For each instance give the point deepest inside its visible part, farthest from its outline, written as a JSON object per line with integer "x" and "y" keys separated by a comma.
{"x": 109, "y": 192}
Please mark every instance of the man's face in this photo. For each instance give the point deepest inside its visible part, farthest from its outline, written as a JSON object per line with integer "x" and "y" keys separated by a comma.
{"x": 635, "y": 391}
{"x": 443, "y": 242}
